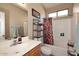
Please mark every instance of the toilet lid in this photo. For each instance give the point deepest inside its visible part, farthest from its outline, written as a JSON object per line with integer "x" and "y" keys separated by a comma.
{"x": 46, "y": 50}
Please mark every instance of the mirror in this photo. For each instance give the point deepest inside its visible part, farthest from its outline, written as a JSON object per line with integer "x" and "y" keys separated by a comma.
{"x": 13, "y": 21}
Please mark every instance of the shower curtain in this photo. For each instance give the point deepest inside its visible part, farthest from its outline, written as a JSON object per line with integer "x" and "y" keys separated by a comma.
{"x": 48, "y": 33}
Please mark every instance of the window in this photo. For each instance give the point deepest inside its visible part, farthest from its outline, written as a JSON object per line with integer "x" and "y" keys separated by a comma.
{"x": 2, "y": 23}
{"x": 63, "y": 13}
{"x": 53, "y": 14}
{"x": 59, "y": 13}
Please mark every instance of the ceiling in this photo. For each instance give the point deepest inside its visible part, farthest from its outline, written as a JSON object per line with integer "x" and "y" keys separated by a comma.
{"x": 45, "y": 5}
{"x": 49, "y": 5}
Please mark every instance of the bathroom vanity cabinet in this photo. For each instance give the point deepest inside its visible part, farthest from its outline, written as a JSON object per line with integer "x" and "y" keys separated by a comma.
{"x": 34, "y": 52}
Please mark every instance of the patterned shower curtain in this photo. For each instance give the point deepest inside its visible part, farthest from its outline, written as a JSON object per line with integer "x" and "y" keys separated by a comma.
{"x": 48, "y": 33}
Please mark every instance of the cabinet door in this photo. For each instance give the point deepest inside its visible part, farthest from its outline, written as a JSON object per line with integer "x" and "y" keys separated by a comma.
{"x": 34, "y": 52}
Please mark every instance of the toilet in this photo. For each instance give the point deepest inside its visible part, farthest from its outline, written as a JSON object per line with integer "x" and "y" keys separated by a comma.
{"x": 46, "y": 51}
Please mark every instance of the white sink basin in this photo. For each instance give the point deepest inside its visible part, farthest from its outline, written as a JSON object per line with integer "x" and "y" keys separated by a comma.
{"x": 8, "y": 51}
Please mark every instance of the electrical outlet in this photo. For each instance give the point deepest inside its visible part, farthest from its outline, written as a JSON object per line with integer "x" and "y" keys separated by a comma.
{"x": 61, "y": 34}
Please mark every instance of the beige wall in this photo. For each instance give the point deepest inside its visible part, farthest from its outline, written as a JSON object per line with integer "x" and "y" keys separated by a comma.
{"x": 40, "y": 9}
{"x": 15, "y": 16}
{"x": 61, "y": 7}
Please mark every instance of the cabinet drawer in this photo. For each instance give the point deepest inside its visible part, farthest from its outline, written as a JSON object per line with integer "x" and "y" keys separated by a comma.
{"x": 34, "y": 52}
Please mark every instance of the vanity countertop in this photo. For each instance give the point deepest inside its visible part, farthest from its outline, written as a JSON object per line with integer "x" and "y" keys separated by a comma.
{"x": 19, "y": 49}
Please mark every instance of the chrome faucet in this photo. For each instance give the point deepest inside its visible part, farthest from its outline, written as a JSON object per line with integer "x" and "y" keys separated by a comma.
{"x": 17, "y": 41}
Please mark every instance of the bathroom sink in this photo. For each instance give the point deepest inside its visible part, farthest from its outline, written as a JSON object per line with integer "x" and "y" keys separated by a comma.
{"x": 17, "y": 50}
{"x": 8, "y": 51}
